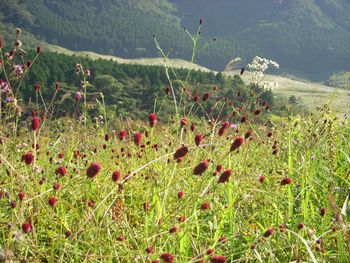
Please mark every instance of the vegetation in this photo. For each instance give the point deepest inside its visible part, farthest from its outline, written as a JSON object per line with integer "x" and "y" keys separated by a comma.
{"x": 314, "y": 50}
{"x": 207, "y": 175}
{"x": 340, "y": 80}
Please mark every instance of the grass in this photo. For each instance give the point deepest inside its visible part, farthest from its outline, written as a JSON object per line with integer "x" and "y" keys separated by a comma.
{"x": 139, "y": 210}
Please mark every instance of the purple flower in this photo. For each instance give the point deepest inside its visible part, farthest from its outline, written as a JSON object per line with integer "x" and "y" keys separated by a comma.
{"x": 233, "y": 126}
{"x": 313, "y": 157}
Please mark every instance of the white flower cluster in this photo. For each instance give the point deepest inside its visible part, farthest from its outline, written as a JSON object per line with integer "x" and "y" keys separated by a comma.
{"x": 262, "y": 64}
{"x": 258, "y": 67}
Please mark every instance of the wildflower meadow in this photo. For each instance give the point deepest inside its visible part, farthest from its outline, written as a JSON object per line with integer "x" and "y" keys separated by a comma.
{"x": 215, "y": 180}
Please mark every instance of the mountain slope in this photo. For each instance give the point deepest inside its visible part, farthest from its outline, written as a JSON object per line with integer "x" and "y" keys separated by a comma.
{"x": 309, "y": 38}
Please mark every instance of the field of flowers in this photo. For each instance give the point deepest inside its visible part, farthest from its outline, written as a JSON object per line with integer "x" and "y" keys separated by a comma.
{"x": 243, "y": 187}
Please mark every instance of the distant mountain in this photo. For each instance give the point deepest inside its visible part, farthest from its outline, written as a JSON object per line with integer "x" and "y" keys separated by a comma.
{"x": 309, "y": 38}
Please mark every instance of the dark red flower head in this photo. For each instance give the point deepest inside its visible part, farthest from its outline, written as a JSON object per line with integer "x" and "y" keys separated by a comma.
{"x": 57, "y": 85}
{"x": 248, "y": 134}
{"x": 286, "y": 181}
{"x": 21, "y": 196}
{"x": 201, "y": 168}
{"x": 180, "y": 153}
{"x": 257, "y": 112}
{"x": 37, "y": 87}
{"x": 180, "y": 194}
{"x": 238, "y": 141}
{"x": 62, "y": 170}
{"x": 35, "y": 123}
{"x": 28, "y": 158}
{"x": 149, "y": 250}
{"x": 206, "y": 96}
{"x": 205, "y": 206}
{"x": 224, "y": 177}
{"x": 138, "y": 138}
{"x": 173, "y": 230}
{"x": 122, "y": 135}
{"x": 193, "y": 126}
{"x": 323, "y": 211}
{"x": 198, "y": 139}
{"x": 52, "y": 201}
{"x": 242, "y": 71}
{"x": 167, "y": 90}
{"x": 223, "y": 128}
{"x": 269, "y": 232}
{"x": 116, "y": 175}
{"x": 201, "y": 21}
{"x": 218, "y": 259}
{"x": 93, "y": 170}
{"x": 167, "y": 257}
{"x": 152, "y": 119}
{"x": 26, "y": 227}
{"x": 183, "y": 121}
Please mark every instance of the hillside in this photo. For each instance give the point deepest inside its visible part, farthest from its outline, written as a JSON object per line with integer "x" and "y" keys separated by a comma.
{"x": 315, "y": 47}
{"x": 310, "y": 94}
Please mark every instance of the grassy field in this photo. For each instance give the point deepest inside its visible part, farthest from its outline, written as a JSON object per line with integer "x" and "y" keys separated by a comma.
{"x": 251, "y": 193}
{"x": 311, "y": 94}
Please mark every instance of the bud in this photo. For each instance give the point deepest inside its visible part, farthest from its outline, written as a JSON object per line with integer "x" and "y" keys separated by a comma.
{"x": 57, "y": 85}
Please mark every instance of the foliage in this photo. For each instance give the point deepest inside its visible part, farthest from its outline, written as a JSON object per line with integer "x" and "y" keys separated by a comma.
{"x": 316, "y": 43}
